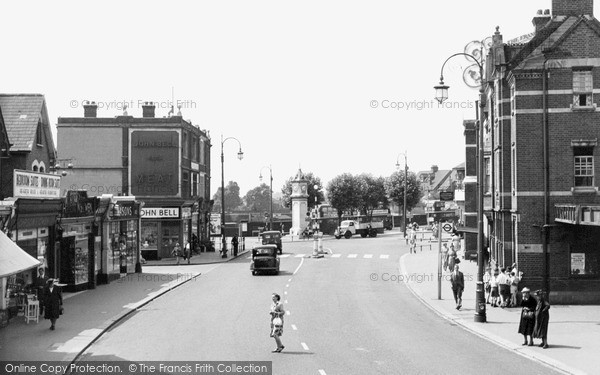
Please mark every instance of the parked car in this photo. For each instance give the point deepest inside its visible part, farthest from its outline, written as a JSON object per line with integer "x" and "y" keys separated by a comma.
{"x": 272, "y": 237}
{"x": 264, "y": 259}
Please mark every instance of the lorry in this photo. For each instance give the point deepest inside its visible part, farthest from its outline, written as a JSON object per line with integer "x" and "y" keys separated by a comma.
{"x": 348, "y": 228}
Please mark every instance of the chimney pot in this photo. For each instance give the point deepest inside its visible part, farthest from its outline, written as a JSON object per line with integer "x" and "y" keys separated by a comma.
{"x": 572, "y": 7}
{"x": 148, "y": 109}
{"x": 90, "y": 109}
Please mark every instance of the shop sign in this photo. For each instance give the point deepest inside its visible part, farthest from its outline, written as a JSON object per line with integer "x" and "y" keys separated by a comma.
{"x": 215, "y": 224}
{"x": 160, "y": 213}
{"x": 124, "y": 210}
{"x": 28, "y": 184}
{"x": 78, "y": 204}
{"x": 186, "y": 212}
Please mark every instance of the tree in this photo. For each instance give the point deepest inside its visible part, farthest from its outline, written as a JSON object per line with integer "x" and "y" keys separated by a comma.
{"x": 344, "y": 193}
{"x": 286, "y": 190}
{"x": 258, "y": 199}
{"x": 394, "y": 187}
{"x": 232, "y": 197}
{"x": 373, "y": 194}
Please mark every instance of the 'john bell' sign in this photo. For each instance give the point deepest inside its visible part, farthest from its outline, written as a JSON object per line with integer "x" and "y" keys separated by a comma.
{"x": 27, "y": 184}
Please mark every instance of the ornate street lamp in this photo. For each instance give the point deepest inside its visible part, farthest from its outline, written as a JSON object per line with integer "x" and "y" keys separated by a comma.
{"x": 405, "y": 184}
{"x": 240, "y": 156}
{"x": 441, "y": 92}
{"x": 260, "y": 177}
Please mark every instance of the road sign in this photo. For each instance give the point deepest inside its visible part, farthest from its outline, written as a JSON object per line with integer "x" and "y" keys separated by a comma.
{"x": 447, "y": 227}
{"x": 446, "y": 195}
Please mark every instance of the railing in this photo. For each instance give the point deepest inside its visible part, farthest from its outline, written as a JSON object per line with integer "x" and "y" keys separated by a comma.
{"x": 567, "y": 213}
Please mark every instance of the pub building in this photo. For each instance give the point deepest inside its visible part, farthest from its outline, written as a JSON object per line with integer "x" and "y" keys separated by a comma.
{"x": 118, "y": 218}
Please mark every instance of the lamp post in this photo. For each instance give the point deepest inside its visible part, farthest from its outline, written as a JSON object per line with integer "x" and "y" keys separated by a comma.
{"x": 441, "y": 94}
{"x": 270, "y": 194}
{"x": 405, "y": 185}
{"x": 240, "y": 156}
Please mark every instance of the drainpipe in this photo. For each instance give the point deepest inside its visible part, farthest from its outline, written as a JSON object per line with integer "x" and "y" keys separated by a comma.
{"x": 546, "y": 169}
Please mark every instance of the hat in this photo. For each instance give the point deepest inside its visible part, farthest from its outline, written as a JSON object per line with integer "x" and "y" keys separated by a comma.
{"x": 525, "y": 290}
{"x": 539, "y": 292}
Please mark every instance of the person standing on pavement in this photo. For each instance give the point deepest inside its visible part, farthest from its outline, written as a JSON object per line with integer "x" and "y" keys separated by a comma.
{"x": 235, "y": 242}
{"x": 458, "y": 285}
{"x": 542, "y": 317}
{"x": 487, "y": 278}
{"x": 451, "y": 258}
{"x": 187, "y": 252}
{"x": 494, "y": 285}
{"x": 527, "y": 322}
{"x": 514, "y": 288}
{"x": 445, "y": 257}
{"x": 177, "y": 252}
{"x": 277, "y": 312}
{"x": 40, "y": 284}
{"x": 53, "y": 302}
{"x": 503, "y": 285}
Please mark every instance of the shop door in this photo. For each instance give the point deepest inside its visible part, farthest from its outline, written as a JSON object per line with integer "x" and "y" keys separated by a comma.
{"x": 169, "y": 238}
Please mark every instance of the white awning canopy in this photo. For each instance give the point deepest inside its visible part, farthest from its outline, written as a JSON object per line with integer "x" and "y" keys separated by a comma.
{"x": 13, "y": 259}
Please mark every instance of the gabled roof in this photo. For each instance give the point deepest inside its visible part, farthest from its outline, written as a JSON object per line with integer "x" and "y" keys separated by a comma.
{"x": 4, "y": 140}
{"x": 440, "y": 177}
{"x": 22, "y": 112}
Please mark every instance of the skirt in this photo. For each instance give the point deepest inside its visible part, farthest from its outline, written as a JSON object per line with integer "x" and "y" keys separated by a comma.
{"x": 495, "y": 291}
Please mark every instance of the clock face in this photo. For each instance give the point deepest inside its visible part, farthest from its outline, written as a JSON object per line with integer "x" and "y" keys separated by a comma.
{"x": 295, "y": 188}
{"x": 303, "y": 189}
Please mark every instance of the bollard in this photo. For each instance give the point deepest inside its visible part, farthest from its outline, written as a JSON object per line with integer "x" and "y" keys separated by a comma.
{"x": 317, "y": 246}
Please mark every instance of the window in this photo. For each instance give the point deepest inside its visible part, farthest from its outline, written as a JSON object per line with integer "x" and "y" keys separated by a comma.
{"x": 487, "y": 182}
{"x": 513, "y": 105}
{"x": 185, "y": 145}
{"x": 194, "y": 148}
{"x": 582, "y": 88}
{"x": 202, "y": 155}
{"x": 513, "y": 167}
{"x": 38, "y": 135}
{"x": 584, "y": 166}
{"x": 194, "y": 191}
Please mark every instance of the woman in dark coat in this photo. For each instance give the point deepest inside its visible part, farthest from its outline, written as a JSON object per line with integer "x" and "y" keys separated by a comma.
{"x": 542, "y": 316}
{"x": 53, "y": 301}
{"x": 527, "y": 322}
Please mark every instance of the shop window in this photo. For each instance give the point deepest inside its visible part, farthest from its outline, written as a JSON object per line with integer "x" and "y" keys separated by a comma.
{"x": 582, "y": 89}
{"x": 584, "y": 166}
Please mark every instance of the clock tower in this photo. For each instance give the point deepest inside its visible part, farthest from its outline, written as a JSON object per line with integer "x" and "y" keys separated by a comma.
{"x": 299, "y": 203}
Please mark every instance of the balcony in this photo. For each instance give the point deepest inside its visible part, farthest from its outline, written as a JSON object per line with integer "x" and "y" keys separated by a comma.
{"x": 577, "y": 214}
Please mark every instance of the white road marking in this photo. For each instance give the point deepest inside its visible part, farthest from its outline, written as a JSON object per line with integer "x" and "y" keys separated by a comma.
{"x": 322, "y": 372}
{"x": 284, "y": 255}
{"x": 336, "y": 255}
{"x": 368, "y": 256}
{"x": 289, "y": 280}
{"x": 287, "y": 312}
{"x": 328, "y": 249}
{"x": 297, "y": 268}
{"x": 285, "y": 291}
{"x": 384, "y": 256}
{"x": 299, "y": 256}
{"x": 287, "y": 285}
{"x": 304, "y": 346}
{"x": 294, "y": 327}
{"x": 285, "y": 301}
{"x": 352, "y": 255}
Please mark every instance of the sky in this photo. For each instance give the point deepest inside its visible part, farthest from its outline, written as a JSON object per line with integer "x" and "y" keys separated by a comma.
{"x": 330, "y": 87}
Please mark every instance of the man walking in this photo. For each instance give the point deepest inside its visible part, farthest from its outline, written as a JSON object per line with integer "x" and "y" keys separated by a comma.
{"x": 458, "y": 285}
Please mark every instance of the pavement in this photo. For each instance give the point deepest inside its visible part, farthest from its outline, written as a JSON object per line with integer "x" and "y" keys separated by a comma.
{"x": 90, "y": 313}
{"x": 573, "y": 333}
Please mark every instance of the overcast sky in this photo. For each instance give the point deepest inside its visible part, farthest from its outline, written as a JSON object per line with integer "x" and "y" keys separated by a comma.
{"x": 295, "y": 82}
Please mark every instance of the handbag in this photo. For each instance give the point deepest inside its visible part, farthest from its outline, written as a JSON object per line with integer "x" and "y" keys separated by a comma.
{"x": 528, "y": 314}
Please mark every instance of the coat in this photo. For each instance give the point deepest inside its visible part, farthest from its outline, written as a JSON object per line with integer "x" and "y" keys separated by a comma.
{"x": 52, "y": 302}
{"x": 458, "y": 281}
{"x": 526, "y": 325}
{"x": 542, "y": 316}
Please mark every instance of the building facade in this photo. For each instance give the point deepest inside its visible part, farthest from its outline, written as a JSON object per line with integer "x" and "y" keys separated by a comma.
{"x": 541, "y": 131}
{"x": 162, "y": 162}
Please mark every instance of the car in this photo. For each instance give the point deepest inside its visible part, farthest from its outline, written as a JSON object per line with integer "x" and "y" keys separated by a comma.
{"x": 272, "y": 237}
{"x": 264, "y": 259}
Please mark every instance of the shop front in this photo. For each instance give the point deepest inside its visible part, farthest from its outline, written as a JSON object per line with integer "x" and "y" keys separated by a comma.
{"x": 163, "y": 228}
{"x": 120, "y": 218}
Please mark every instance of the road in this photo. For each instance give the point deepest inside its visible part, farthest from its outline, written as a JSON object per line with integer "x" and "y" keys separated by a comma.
{"x": 347, "y": 315}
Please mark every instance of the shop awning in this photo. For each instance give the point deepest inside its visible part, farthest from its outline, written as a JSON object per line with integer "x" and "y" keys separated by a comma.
{"x": 13, "y": 259}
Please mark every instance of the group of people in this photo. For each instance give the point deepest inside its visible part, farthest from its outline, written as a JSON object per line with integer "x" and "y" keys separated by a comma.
{"x": 449, "y": 257}
{"x": 503, "y": 286}
{"x": 185, "y": 253}
{"x": 534, "y": 317}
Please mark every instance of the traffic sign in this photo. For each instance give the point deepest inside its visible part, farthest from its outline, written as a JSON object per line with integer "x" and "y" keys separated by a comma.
{"x": 447, "y": 227}
{"x": 446, "y": 195}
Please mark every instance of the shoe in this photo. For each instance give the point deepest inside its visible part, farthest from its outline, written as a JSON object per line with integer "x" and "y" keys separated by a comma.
{"x": 275, "y": 351}
{"x": 280, "y": 349}
{"x": 52, "y": 328}
{"x": 541, "y": 345}
{"x": 459, "y": 306}
{"x": 545, "y": 346}
{"x": 530, "y": 344}
{"x": 524, "y": 344}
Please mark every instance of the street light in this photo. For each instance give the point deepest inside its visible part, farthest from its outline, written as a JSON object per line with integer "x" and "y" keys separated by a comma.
{"x": 270, "y": 194}
{"x": 240, "y": 156}
{"x": 441, "y": 92}
{"x": 405, "y": 184}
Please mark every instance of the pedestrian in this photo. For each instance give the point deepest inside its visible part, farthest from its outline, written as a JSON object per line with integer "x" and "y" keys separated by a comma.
{"x": 187, "y": 252}
{"x": 542, "y": 317}
{"x": 514, "y": 288}
{"x": 177, "y": 252}
{"x": 40, "y": 284}
{"x": 413, "y": 241}
{"x": 445, "y": 257}
{"x": 277, "y": 312}
{"x": 451, "y": 258}
{"x": 494, "y": 285}
{"x": 234, "y": 243}
{"x": 487, "y": 278}
{"x": 456, "y": 241}
{"x": 527, "y": 322}
{"x": 53, "y": 302}
{"x": 503, "y": 287}
{"x": 458, "y": 285}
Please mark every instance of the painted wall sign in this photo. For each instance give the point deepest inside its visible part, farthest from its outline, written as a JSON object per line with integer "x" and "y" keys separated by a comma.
{"x": 29, "y": 184}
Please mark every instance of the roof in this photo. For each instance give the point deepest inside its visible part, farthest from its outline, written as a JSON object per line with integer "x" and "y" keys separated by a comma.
{"x": 438, "y": 181}
{"x": 21, "y": 113}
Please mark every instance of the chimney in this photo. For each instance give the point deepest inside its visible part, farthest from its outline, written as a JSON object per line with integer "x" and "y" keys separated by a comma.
{"x": 572, "y": 7}
{"x": 148, "y": 109}
{"x": 90, "y": 109}
{"x": 541, "y": 19}
{"x": 434, "y": 168}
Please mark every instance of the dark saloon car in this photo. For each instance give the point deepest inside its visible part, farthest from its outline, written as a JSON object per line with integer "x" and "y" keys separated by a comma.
{"x": 264, "y": 259}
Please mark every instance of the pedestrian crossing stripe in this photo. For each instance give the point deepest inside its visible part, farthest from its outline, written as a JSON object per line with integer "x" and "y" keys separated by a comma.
{"x": 368, "y": 256}
{"x": 336, "y": 255}
{"x": 384, "y": 256}
{"x": 284, "y": 255}
{"x": 300, "y": 256}
{"x": 352, "y": 255}
{"x": 365, "y": 256}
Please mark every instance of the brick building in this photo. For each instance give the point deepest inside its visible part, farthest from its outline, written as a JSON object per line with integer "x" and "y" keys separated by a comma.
{"x": 541, "y": 143}
{"x": 162, "y": 162}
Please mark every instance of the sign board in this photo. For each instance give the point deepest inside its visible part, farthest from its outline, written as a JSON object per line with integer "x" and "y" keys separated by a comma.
{"x": 160, "y": 213}
{"x": 215, "y": 224}
{"x": 578, "y": 263}
{"x": 28, "y": 184}
{"x": 447, "y": 227}
{"x": 446, "y": 195}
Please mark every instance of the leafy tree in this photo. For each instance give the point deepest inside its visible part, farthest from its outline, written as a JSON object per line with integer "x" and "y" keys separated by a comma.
{"x": 258, "y": 199}
{"x": 313, "y": 180}
{"x": 394, "y": 187}
{"x": 373, "y": 194}
{"x": 232, "y": 197}
{"x": 344, "y": 193}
